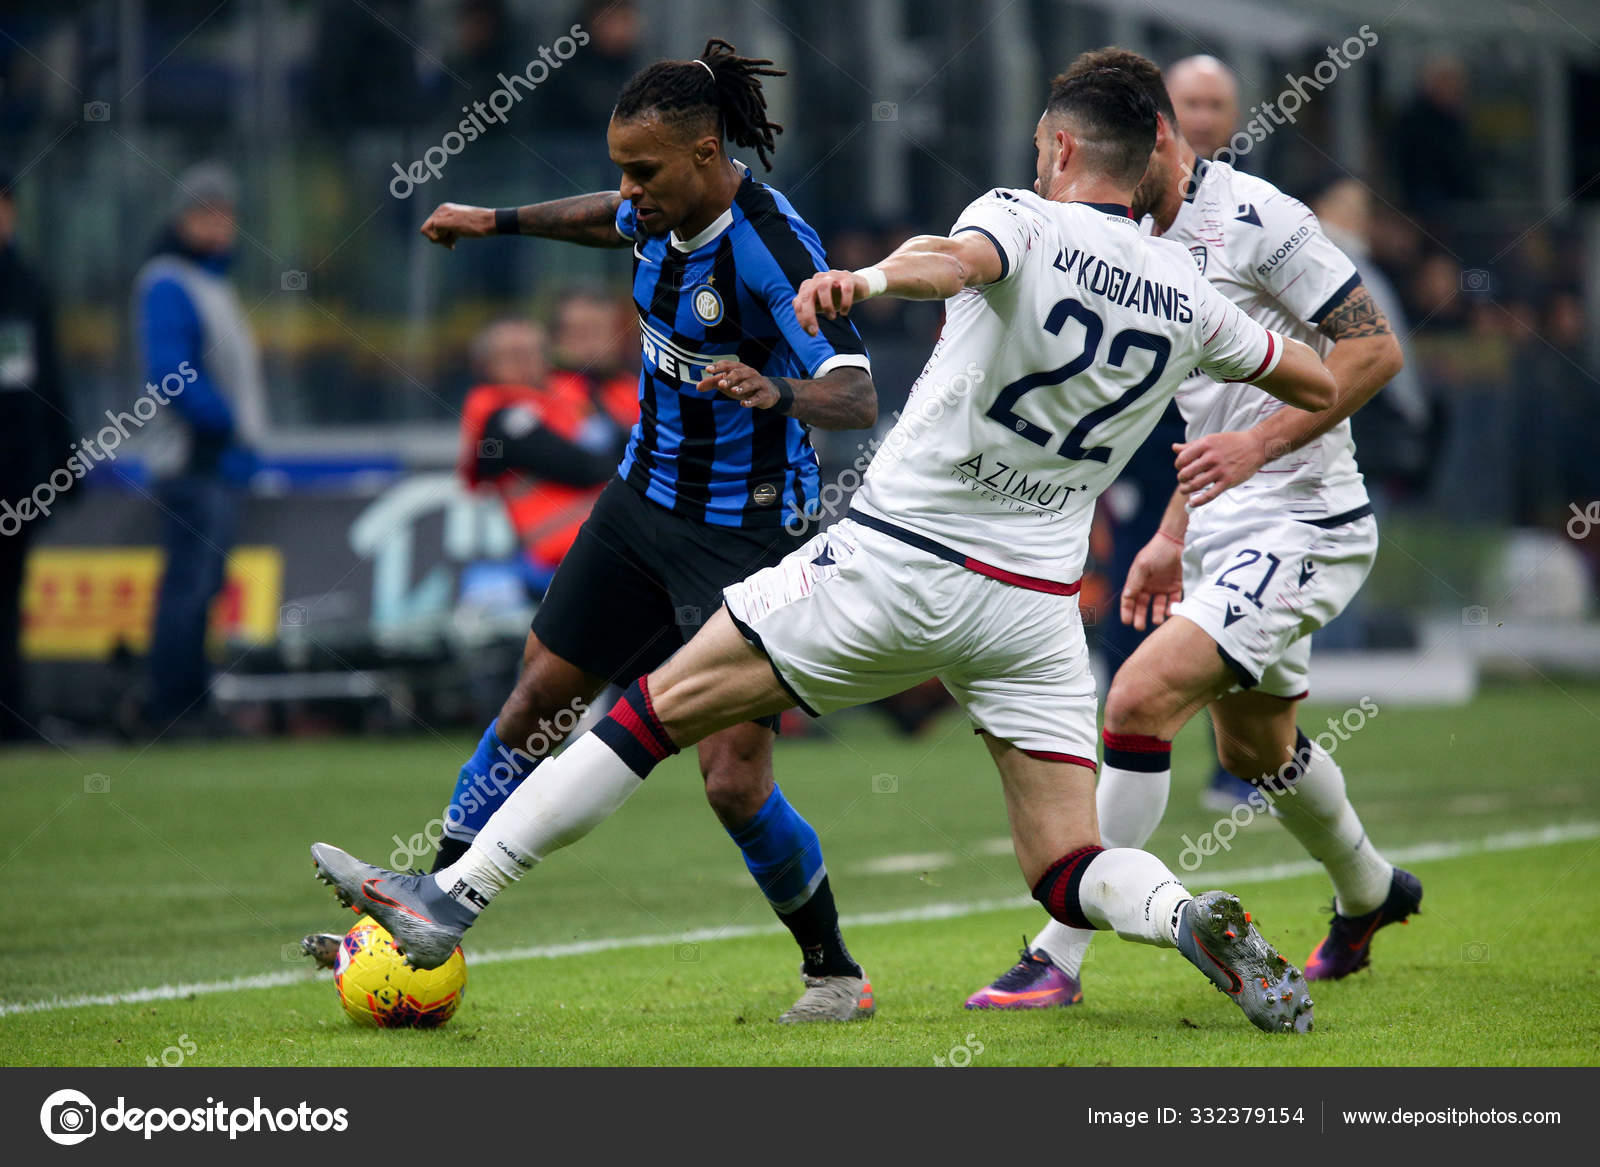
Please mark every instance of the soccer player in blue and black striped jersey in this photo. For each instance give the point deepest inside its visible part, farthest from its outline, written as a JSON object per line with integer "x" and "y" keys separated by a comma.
{"x": 730, "y": 386}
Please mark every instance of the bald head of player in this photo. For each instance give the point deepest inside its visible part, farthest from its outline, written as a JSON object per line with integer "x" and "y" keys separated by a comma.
{"x": 1205, "y": 95}
{"x": 1171, "y": 160}
{"x": 1094, "y": 139}
{"x": 668, "y": 134}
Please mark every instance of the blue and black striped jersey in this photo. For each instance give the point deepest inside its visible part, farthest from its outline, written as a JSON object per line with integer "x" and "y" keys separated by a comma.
{"x": 727, "y": 293}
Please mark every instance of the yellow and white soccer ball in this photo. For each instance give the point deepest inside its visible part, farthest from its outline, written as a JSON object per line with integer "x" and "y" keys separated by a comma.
{"x": 377, "y": 987}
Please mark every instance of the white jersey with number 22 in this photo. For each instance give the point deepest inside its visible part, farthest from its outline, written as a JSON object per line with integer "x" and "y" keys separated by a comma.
{"x": 1044, "y": 382}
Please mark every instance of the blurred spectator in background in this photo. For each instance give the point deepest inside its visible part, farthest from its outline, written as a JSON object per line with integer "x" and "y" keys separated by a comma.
{"x": 594, "y": 341}
{"x": 1205, "y": 96}
{"x": 1431, "y": 146}
{"x": 1436, "y": 299}
{"x": 591, "y": 81}
{"x": 487, "y": 43}
{"x": 364, "y": 71}
{"x": 1559, "y": 469}
{"x": 35, "y": 437}
{"x": 1391, "y": 430}
{"x": 200, "y": 448}
{"x": 547, "y": 443}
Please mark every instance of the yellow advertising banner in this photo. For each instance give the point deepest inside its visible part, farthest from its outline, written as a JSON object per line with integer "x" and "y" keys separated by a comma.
{"x": 79, "y": 603}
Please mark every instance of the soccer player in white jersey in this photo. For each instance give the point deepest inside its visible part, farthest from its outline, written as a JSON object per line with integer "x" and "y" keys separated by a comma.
{"x": 1258, "y": 568}
{"x": 1066, "y": 334}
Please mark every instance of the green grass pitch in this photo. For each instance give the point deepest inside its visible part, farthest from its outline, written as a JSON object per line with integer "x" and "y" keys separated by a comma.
{"x": 187, "y": 866}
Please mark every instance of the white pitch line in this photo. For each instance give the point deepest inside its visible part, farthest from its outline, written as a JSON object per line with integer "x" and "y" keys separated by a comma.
{"x": 1549, "y": 836}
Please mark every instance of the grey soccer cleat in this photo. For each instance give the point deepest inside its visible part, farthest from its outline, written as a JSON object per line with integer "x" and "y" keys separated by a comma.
{"x": 322, "y": 947}
{"x": 832, "y": 999}
{"x": 425, "y": 922}
{"x": 1217, "y": 937}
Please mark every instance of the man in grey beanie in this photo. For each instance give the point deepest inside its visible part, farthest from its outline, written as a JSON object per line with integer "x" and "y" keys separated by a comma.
{"x": 195, "y": 345}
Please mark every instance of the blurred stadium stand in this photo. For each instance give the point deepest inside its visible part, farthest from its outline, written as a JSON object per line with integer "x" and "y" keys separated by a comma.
{"x": 1470, "y": 121}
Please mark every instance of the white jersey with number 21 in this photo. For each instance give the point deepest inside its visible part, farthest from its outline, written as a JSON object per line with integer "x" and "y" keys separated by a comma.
{"x": 1044, "y": 382}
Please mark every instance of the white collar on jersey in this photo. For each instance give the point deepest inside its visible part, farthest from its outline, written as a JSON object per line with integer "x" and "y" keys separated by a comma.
{"x": 716, "y": 227}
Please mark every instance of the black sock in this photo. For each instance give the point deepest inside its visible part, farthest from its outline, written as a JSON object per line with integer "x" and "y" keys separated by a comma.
{"x": 815, "y": 925}
{"x": 449, "y": 851}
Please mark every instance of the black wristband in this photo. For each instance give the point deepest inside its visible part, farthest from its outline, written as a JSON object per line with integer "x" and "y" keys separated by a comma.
{"x": 505, "y": 221}
{"x": 785, "y": 390}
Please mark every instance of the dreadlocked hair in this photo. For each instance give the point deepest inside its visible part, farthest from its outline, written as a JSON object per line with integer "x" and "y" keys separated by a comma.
{"x": 720, "y": 86}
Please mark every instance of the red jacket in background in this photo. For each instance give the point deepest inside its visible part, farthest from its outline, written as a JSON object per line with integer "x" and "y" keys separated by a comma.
{"x": 545, "y": 515}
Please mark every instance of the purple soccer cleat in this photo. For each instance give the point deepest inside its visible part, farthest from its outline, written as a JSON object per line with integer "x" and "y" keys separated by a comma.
{"x": 1348, "y": 945}
{"x": 1034, "y": 982}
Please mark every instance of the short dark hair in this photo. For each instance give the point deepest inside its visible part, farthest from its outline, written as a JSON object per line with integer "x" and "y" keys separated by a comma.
{"x": 1141, "y": 69}
{"x": 1114, "y": 115}
{"x": 719, "y": 87}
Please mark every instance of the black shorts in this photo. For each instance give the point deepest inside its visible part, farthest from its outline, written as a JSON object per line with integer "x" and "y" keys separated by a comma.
{"x": 640, "y": 580}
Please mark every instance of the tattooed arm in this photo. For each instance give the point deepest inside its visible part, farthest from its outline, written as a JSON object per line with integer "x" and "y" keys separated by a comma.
{"x": 588, "y": 220}
{"x": 1365, "y": 356}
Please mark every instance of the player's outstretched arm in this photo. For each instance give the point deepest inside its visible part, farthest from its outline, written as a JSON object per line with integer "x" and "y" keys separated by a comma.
{"x": 1300, "y": 379}
{"x": 589, "y": 220}
{"x": 925, "y": 267}
{"x": 841, "y": 399}
{"x": 1365, "y": 357}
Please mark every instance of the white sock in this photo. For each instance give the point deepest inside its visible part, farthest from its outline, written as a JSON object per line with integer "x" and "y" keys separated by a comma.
{"x": 1316, "y": 812}
{"x": 1133, "y": 893}
{"x": 1130, "y": 804}
{"x": 566, "y": 798}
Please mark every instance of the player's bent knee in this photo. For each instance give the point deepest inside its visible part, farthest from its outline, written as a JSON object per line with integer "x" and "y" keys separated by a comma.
{"x": 737, "y": 769}
{"x": 1240, "y": 759}
{"x": 1132, "y": 707}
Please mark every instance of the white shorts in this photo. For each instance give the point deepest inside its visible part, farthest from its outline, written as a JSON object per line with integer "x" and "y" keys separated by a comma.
{"x": 1260, "y": 584}
{"x": 856, "y": 615}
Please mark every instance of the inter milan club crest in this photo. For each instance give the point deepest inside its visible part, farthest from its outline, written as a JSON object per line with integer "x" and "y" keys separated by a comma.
{"x": 1198, "y": 250}
{"x": 707, "y": 304}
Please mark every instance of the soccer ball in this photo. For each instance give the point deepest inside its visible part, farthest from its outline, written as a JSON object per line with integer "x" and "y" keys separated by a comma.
{"x": 377, "y": 987}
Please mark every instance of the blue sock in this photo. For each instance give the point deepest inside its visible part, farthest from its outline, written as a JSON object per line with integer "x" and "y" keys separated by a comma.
{"x": 486, "y": 781}
{"x": 782, "y": 852}
{"x": 784, "y": 855}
